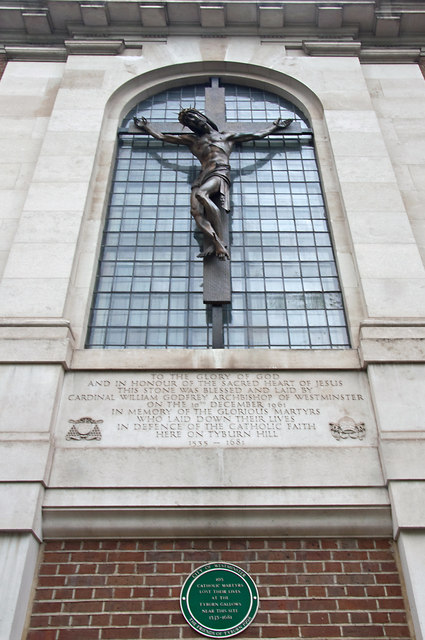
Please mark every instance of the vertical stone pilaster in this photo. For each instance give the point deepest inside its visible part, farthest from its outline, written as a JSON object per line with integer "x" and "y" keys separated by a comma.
{"x": 18, "y": 560}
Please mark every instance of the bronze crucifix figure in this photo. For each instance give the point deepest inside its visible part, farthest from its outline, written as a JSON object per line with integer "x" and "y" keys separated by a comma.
{"x": 210, "y": 190}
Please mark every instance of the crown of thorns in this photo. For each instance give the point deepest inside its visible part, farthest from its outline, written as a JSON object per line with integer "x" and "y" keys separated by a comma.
{"x": 184, "y": 112}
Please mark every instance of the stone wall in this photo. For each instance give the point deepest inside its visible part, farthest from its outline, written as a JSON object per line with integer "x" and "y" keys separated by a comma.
{"x": 311, "y": 588}
{"x": 3, "y": 62}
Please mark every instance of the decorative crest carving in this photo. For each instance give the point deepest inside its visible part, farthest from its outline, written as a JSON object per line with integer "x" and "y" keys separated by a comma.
{"x": 84, "y": 429}
{"x": 346, "y": 428}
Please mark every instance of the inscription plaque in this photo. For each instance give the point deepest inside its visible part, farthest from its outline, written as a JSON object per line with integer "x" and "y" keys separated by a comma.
{"x": 204, "y": 409}
{"x": 219, "y": 600}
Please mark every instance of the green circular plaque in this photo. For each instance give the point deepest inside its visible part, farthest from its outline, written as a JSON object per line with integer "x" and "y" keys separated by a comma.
{"x": 219, "y": 600}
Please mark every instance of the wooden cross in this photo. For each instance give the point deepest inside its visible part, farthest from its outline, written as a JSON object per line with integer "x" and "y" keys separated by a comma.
{"x": 217, "y": 281}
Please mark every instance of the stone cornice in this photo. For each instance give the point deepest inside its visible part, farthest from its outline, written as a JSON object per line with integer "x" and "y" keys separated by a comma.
{"x": 375, "y": 30}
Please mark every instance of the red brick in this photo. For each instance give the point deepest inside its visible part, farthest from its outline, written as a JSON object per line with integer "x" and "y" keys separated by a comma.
{"x": 78, "y": 634}
{"x": 362, "y": 617}
{"x": 356, "y": 578}
{"x": 83, "y": 606}
{"x": 363, "y": 631}
{"x": 314, "y": 578}
{"x": 47, "y": 607}
{"x": 319, "y": 617}
{"x": 298, "y": 617}
{"x": 56, "y": 557}
{"x": 348, "y": 543}
{"x": 157, "y": 592}
{"x": 45, "y": 634}
{"x": 161, "y": 605}
{"x": 108, "y": 567}
{"x": 123, "y": 556}
{"x": 48, "y": 569}
{"x": 64, "y": 593}
{"x": 118, "y": 581}
{"x": 77, "y": 621}
{"x": 103, "y": 592}
{"x": 276, "y": 617}
{"x": 333, "y": 567}
{"x": 311, "y": 544}
{"x": 256, "y": 544}
{"x": 183, "y": 567}
{"x": 391, "y": 603}
{"x": 335, "y": 591}
{"x": 329, "y": 544}
{"x": 279, "y": 632}
{"x": 100, "y": 619}
{"x": 66, "y": 569}
{"x": 394, "y": 631}
{"x": 376, "y": 591}
{"x": 322, "y": 631}
{"x": 273, "y": 567}
{"x": 163, "y": 580}
{"x": 397, "y": 616}
{"x": 160, "y": 618}
{"x": 318, "y": 605}
{"x": 90, "y": 544}
{"x": 355, "y": 591}
{"x": 44, "y": 594}
{"x": 82, "y": 594}
{"x": 124, "y": 605}
{"x": 120, "y": 619}
{"x": 339, "y": 617}
{"x": 129, "y": 545}
{"x": 86, "y": 567}
{"x": 297, "y": 592}
{"x": 279, "y": 604}
{"x": 118, "y": 633}
{"x": 121, "y": 593}
{"x": 169, "y": 544}
{"x": 139, "y": 619}
{"x": 88, "y": 556}
{"x": 311, "y": 555}
{"x": 159, "y": 632}
{"x": 85, "y": 581}
{"x": 314, "y": 567}
{"x": 54, "y": 545}
{"x": 356, "y": 604}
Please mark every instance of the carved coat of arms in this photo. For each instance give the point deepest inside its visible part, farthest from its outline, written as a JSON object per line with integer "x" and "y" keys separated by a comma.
{"x": 346, "y": 428}
{"x": 84, "y": 429}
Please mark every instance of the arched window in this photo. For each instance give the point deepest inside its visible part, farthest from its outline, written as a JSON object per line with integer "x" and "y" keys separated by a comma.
{"x": 285, "y": 287}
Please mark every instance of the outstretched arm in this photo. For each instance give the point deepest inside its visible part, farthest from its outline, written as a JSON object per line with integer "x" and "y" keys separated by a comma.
{"x": 277, "y": 126}
{"x": 145, "y": 126}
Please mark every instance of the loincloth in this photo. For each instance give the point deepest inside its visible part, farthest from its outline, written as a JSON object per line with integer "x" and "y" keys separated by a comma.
{"x": 222, "y": 172}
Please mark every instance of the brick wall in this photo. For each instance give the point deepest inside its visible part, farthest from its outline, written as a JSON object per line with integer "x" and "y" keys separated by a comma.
{"x": 118, "y": 589}
{"x": 422, "y": 67}
{"x": 3, "y": 62}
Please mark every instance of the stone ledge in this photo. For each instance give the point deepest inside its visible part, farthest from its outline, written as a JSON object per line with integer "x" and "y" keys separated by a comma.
{"x": 408, "y": 505}
{"x": 43, "y": 340}
{"x": 216, "y": 359}
{"x": 20, "y": 509}
{"x": 332, "y": 48}
{"x": 217, "y": 522}
{"x": 392, "y": 340}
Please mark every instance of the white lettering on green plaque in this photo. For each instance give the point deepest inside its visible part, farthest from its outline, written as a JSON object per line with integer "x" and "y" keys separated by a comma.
{"x": 219, "y": 600}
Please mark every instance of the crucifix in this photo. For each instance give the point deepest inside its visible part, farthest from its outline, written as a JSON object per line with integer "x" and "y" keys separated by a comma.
{"x": 209, "y": 204}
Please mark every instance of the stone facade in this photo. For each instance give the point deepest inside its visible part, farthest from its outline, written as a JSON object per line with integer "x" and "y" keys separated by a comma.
{"x": 73, "y": 70}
